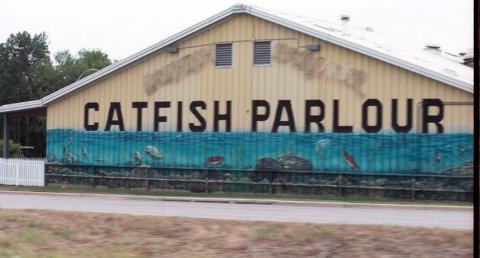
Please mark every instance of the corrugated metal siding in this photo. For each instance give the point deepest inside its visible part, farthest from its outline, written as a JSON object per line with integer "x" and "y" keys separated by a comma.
{"x": 282, "y": 80}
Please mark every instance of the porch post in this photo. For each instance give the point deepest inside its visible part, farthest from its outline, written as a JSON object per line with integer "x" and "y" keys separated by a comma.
{"x": 5, "y": 136}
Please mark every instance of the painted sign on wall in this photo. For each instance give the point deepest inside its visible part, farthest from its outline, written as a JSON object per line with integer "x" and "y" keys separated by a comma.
{"x": 261, "y": 111}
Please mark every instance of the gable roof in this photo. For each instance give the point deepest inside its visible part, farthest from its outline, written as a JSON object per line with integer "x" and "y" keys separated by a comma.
{"x": 379, "y": 46}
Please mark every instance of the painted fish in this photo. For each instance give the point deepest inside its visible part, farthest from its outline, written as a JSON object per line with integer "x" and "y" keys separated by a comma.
{"x": 138, "y": 158}
{"x": 68, "y": 155}
{"x": 136, "y": 155}
{"x": 65, "y": 147}
{"x": 349, "y": 160}
{"x": 215, "y": 160}
{"x": 71, "y": 158}
{"x": 84, "y": 151}
{"x": 322, "y": 144}
{"x": 152, "y": 151}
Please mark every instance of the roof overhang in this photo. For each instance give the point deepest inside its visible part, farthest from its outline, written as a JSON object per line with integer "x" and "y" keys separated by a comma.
{"x": 22, "y": 106}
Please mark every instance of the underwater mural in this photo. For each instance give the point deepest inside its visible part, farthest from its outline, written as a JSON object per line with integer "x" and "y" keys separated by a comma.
{"x": 322, "y": 152}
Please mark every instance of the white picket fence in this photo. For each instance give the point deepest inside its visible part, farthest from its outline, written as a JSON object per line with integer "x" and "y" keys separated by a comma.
{"x": 22, "y": 171}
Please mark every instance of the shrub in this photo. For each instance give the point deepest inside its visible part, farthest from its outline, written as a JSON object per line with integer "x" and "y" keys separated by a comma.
{"x": 14, "y": 149}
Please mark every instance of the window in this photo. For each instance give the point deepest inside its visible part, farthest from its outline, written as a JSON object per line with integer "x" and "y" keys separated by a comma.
{"x": 262, "y": 54}
{"x": 223, "y": 55}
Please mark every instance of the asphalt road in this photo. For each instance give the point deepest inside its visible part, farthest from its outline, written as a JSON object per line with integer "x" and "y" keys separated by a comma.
{"x": 284, "y": 212}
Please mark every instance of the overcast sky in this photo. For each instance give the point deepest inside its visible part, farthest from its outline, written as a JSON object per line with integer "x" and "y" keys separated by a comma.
{"x": 123, "y": 27}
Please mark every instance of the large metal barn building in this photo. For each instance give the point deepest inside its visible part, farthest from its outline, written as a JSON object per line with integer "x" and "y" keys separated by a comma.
{"x": 254, "y": 100}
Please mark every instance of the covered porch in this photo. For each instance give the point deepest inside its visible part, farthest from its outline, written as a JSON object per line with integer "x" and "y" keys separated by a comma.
{"x": 11, "y": 115}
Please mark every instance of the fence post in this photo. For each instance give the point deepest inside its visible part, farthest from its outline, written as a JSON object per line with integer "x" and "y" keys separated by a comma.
{"x": 149, "y": 175}
{"x": 414, "y": 180}
{"x": 206, "y": 184}
{"x": 340, "y": 184}
{"x": 42, "y": 174}
{"x": 17, "y": 174}
{"x": 45, "y": 183}
{"x": 271, "y": 181}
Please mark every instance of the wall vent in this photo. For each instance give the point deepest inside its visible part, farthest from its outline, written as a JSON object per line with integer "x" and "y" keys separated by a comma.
{"x": 262, "y": 52}
{"x": 224, "y": 55}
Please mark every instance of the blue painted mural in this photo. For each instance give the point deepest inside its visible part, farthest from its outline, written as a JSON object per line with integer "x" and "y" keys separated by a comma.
{"x": 349, "y": 152}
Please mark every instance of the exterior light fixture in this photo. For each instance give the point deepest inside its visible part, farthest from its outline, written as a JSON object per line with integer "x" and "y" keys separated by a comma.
{"x": 172, "y": 50}
{"x": 313, "y": 47}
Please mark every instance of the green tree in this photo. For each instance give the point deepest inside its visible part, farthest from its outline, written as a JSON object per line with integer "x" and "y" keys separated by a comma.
{"x": 26, "y": 70}
{"x": 28, "y": 73}
{"x": 70, "y": 67}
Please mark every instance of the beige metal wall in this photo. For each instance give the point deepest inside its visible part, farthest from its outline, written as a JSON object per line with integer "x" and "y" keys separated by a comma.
{"x": 289, "y": 77}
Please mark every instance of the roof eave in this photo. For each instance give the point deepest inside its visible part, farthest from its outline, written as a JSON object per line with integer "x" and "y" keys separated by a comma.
{"x": 21, "y": 106}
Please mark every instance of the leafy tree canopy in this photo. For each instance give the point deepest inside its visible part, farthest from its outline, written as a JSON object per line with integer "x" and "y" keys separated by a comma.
{"x": 24, "y": 67}
{"x": 86, "y": 62}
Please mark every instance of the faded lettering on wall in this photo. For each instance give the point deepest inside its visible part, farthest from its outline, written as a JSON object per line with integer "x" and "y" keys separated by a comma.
{"x": 177, "y": 69}
{"x": 311, "y": 65}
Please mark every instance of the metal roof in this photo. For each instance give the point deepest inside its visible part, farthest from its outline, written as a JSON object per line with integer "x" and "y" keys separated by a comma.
{"x": 21, "y": 106}
{"x": 383, "y": 47}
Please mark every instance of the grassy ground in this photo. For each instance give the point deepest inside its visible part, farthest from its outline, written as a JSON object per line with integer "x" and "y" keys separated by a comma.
{"x": 71, "y": 189}
{"x": 38, "y": 233}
